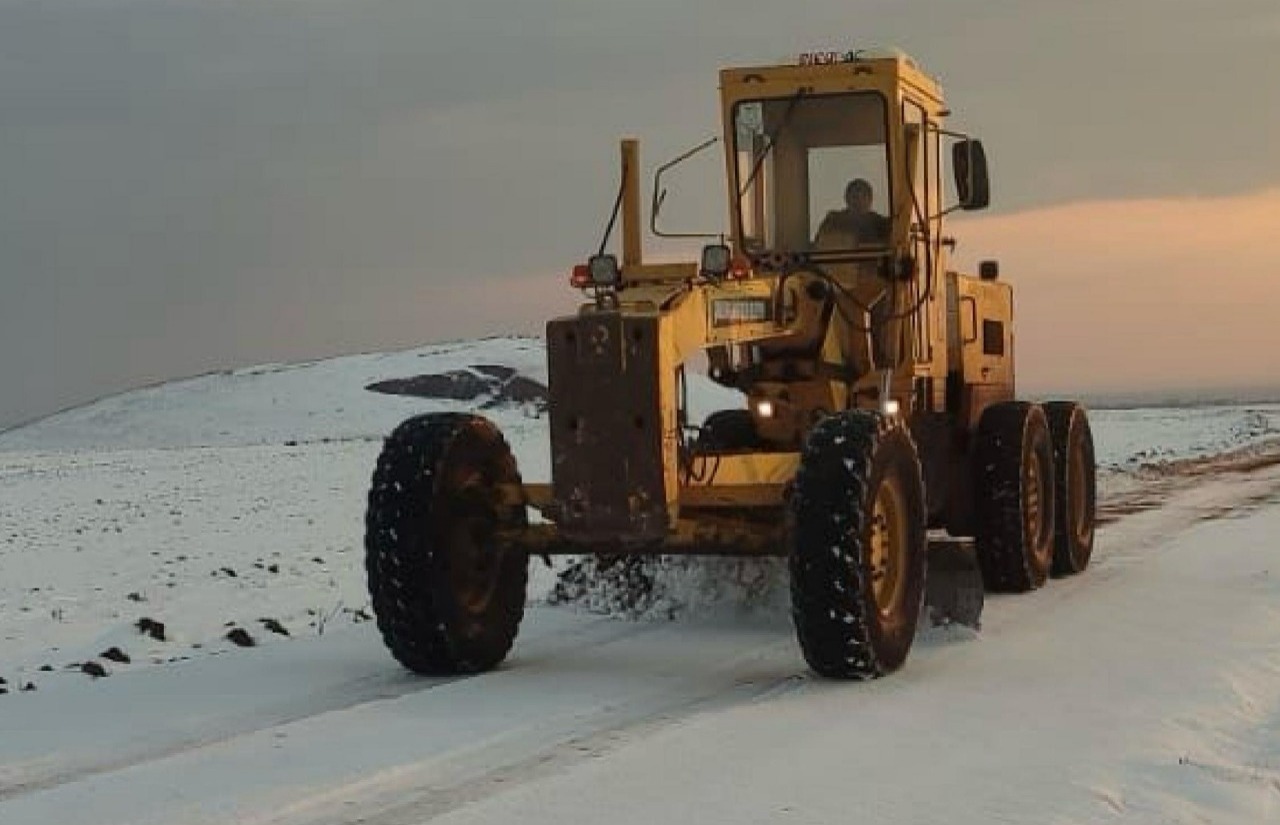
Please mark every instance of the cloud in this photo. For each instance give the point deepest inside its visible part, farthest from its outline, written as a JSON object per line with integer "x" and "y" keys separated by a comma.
{"x": 177, "y": 175}
{"x": 1139, "y": 294}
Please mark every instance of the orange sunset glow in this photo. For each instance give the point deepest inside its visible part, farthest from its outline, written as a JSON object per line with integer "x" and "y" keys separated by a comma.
{"x": 1120, "y": 296}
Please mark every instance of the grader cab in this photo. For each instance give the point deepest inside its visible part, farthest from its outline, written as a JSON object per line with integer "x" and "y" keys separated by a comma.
{"x": 878, "y": 447}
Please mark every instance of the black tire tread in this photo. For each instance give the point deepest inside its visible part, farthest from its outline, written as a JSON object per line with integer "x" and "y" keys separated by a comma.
{"x": 1007, "y": 562}
{"x": 403, "y": 562}
{"x": 1063, "y": 415}
{"x": 832, "y": 603}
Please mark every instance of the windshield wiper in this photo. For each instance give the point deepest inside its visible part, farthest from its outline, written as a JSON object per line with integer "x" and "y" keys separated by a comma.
{"x": 770, "y": 139}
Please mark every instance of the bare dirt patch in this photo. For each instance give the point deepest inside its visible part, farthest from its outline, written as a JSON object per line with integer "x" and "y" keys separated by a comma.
{"x": 1157, "y": 481}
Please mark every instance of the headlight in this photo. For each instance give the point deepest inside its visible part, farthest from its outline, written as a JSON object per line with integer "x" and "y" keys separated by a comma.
{"x": 604, "y": 270}
{"x": 716, "y": 258}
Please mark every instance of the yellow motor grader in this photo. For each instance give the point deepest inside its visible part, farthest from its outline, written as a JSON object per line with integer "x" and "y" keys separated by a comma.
{"x": 879, "y": 446}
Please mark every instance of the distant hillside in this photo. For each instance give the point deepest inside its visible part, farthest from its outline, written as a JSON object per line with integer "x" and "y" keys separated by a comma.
{"x": 352, "y": 397}
{"x": 1178, "y": 398}
{"x": 363, "y": 397}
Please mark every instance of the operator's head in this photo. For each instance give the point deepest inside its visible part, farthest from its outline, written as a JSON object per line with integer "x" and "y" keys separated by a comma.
{"x": 857, "y": 196}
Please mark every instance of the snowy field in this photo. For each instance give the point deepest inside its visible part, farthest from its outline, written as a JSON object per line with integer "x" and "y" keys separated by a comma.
{"x": 209, "y": 532}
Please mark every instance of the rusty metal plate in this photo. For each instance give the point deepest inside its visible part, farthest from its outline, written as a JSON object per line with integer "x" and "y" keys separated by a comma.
{"x": 606, "y": 428}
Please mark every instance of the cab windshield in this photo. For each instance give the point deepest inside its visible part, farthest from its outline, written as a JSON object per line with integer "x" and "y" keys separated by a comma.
{"x": 812, "y": 173}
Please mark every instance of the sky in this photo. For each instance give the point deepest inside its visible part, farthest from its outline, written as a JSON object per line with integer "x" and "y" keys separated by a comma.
{"x": 194, "y": 185}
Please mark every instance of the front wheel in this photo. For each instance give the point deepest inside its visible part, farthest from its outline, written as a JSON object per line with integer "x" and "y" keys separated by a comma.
{"x": 858, "y": 542}
{"x": 447, "y": 596}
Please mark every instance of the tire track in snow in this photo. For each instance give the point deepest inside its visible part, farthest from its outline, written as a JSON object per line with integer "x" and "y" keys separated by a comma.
{"x": 1160, "y": 482}
{"x": 411, "y": 797}
{"x": 478, "y": 772}
{"x": 21, "y": 778}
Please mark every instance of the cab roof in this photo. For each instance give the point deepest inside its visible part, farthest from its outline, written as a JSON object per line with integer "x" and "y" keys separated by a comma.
{"x": 828, "y": 67}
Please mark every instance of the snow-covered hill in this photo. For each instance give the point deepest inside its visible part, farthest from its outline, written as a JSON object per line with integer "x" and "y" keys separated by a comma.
{"x": 319, "y": 401}
{"x": 171, "y": 525}
{"x": 330, "y": 400}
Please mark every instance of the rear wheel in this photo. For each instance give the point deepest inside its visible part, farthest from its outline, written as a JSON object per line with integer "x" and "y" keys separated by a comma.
{"x": 857, "y": 555}
{"x": 1075, "y": 480}
{"x": 448, "y": 598}
{"x": 1015, "y": 494}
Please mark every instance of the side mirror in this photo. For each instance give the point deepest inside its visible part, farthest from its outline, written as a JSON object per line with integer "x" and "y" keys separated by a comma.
{"x": 969, "y": 161}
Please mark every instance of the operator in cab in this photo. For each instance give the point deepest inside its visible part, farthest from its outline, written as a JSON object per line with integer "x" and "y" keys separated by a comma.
{"x": 855, "y": 225}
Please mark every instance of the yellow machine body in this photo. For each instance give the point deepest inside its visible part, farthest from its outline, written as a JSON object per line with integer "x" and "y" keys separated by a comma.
{"x": 803, "y": 328}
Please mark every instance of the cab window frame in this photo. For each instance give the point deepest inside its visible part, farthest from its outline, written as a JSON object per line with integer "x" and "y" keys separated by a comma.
{"x": 742, "y": 197}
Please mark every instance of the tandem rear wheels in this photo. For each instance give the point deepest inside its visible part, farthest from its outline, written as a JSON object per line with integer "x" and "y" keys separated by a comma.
{"x": 1035, "y": 492}
{"x": 859, "y": 550}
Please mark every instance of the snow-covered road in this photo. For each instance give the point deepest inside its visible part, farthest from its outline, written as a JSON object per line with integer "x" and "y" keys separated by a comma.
{"x": 1145, "y": 690}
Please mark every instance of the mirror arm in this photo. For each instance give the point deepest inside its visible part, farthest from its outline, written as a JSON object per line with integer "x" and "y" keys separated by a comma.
{"x": 660, "y": 195}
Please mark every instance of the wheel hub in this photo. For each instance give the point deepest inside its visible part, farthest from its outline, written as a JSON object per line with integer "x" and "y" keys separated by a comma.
{"x": 887, "y": 546}
{"x": 1081, "y": 524}
{"x": 1033, "y": 500}
{"x": 473, "y": 558}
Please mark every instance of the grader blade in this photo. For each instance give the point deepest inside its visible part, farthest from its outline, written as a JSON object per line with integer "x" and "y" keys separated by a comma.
{"x": 953, "y": 587}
